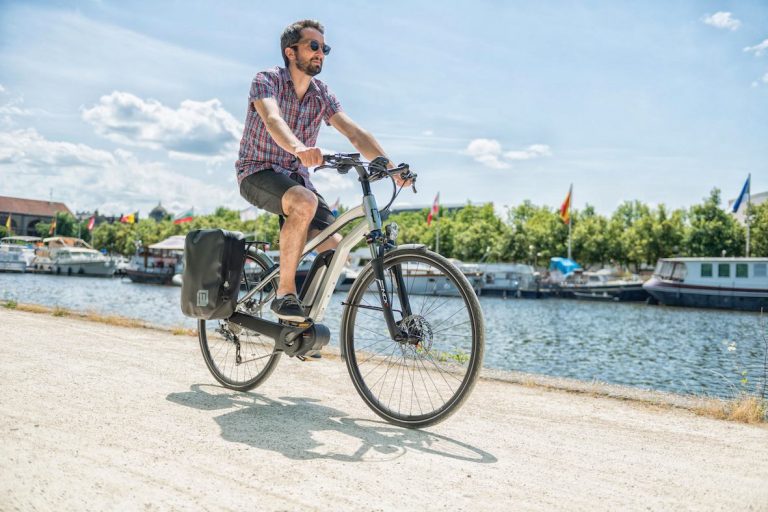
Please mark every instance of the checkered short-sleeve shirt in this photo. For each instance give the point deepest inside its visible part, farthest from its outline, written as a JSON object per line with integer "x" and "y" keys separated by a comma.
{"x": 258, "y": 150}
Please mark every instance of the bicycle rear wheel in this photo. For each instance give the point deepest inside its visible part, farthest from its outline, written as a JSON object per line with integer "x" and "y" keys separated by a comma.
{"x": 418, "y": 383}
{"x": 237, "y": 357}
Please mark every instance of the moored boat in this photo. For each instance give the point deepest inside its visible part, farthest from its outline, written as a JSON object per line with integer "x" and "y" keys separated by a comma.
{"x": 157, "y": 263}
{"x": 73, "y": 256}
{"x": 725, "y": 283}
{"x": 17, "y": 253}
{"x": 603, "y": 285}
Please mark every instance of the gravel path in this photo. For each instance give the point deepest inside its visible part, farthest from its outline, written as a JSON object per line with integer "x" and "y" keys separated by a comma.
{"x": 97, "y": 417}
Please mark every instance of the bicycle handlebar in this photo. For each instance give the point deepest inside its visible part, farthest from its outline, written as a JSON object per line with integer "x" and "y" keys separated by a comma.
{"x": 375, "y": 170}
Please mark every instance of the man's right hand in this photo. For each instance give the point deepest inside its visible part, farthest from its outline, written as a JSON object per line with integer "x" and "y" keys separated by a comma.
{"x": 310, "y": 157}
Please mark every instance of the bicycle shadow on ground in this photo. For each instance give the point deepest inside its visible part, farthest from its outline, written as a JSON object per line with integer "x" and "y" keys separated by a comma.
{"x": 301, "y": 428}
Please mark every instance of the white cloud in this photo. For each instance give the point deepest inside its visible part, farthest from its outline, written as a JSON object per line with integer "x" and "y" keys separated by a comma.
{"x": 86, "y": 178}
{"x": 489, "y": 153}
{"x": 759, "y": 49}
{"x": 2, "y": 89}
{"x": 765, "y": 78}
{"x": 534, "y": 151}
{"x": 197, "y": 130}
{"x": 722, "y": 20}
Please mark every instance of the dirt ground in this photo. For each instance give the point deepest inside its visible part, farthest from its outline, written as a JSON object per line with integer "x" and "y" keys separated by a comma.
{"x": 98, "y": 417}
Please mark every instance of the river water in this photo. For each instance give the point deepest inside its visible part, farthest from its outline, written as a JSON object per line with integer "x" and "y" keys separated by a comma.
{"x": 672, "y": 349}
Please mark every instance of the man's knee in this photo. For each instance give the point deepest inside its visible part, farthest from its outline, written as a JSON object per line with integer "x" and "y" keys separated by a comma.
{"x": 300, "y": 202}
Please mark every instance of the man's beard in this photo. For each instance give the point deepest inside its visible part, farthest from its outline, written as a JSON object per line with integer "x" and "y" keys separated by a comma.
{"x": 309, "y": 68}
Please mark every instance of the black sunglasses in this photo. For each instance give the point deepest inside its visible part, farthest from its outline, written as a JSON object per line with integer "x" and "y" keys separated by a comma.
{"x": 314, "y": 46}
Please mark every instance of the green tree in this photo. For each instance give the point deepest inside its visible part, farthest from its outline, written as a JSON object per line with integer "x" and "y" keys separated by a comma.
{"x": 589, "y": 237}
{"x": 758, "y": 231}
{"x": 712, "y": 230}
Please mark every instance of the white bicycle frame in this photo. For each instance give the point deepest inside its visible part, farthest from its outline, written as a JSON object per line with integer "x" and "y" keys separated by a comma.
{"x": 320, "y": 290}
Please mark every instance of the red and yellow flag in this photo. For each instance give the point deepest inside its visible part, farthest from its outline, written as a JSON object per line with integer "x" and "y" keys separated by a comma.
{"x": 565, "y": 208}
{"x": 53, "y": 227}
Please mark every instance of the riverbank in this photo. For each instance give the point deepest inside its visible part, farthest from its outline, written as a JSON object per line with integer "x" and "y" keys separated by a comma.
{"x": 742, "y": 408}
{"x": 99, "y": 416}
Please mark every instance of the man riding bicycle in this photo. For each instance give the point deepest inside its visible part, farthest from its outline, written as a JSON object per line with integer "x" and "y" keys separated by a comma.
{"x": 285, "y": 108}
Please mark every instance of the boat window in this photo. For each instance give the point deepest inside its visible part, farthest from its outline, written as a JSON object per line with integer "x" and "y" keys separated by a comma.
{"x": 666, "y": 270}
{"x": 760, "y": 270}
{"x": 706, "y": 270}
{"x": 724, "y": 270}
{"x": 741, "y": 270}
{"x": 679, "y": 272}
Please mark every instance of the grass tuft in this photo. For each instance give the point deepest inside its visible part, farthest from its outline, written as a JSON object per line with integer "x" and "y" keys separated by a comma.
{"x": 59, "y": 311}
{"x": 112, "y": 320}
{"x": 11, "y": 304}
{"x": 743, "y": 409}
{"x": 183, "y": 331}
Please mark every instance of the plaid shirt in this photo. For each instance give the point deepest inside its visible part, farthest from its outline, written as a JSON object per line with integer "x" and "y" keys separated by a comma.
{"x": 258, "y": 150}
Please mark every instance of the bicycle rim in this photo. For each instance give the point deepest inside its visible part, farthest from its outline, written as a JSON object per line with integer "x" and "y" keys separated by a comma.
{"x": 422, "y": 383}
{"x": 222, "y": 342}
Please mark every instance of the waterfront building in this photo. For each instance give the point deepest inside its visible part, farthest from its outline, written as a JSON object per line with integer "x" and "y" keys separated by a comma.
{"x": 26, "y": 214}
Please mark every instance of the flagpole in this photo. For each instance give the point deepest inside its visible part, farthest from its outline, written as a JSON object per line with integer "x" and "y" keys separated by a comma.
{"x": 749, "y": 201}
{"x": 570, "y": 218}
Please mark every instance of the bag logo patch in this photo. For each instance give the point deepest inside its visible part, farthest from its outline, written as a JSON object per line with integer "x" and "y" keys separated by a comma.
{"x": 202, "y": 298}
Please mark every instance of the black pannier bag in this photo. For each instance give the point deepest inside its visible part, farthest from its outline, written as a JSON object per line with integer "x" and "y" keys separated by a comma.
{"x": 213, "y": 266}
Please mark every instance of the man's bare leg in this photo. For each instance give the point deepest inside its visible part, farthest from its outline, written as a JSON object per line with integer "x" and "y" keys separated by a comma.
{"x": 330, "y": 243}
{"x": 299, "y": 205}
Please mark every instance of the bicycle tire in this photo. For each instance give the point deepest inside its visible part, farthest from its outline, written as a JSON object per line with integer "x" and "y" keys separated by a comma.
{"x": 434, "y": 356}
{"x": 259, "y": 349}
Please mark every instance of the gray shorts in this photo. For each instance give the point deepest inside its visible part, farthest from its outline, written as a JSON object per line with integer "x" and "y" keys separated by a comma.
{"x": 265, "y": 189}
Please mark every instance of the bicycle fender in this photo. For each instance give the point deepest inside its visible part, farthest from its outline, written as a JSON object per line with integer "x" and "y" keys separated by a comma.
{"x": 418, "y": 247}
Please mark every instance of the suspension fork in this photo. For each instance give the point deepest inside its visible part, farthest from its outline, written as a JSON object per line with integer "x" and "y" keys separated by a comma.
{"x": 385, "y": 295}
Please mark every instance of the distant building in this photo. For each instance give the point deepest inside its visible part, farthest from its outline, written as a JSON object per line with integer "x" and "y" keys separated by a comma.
{"x": 452, "y": 208}
{"x": 754, "y": 200}
{"x": 159, "y": 213}
{"x": 26, "y": 214}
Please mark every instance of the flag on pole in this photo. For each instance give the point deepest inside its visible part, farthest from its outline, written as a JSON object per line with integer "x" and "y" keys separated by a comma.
{"x": 565, "y": 208}
{"x": 53, "y": 227}
{"x": 91, "y": 223}
{"x": 8, "y": 223}
{"x": 744, "y": 192}
{"x": 128, "y": 219}
{"x": 335, "y": 207}
{"x": 435, "y": 209}
{"x": 184, "y": 217}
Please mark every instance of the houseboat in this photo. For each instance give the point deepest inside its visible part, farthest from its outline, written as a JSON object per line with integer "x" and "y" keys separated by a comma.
{"x": 157, "y": 263}
{"x": 726, "y": 283}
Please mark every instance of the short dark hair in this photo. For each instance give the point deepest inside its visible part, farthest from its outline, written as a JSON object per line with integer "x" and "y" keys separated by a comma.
{"x": 292, "y": 34}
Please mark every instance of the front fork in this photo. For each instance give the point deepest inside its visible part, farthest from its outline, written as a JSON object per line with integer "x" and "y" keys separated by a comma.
{"x": 385, "y": 295}
{"x": 380, "y": 243}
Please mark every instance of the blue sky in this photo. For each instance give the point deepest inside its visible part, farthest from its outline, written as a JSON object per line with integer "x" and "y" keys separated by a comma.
{"x": 119, "y": 105}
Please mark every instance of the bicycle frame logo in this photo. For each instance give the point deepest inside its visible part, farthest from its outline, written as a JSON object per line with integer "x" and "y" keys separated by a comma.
{"x": 202, "y": 298}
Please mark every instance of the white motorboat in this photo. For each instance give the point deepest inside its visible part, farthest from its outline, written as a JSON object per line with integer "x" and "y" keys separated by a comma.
{"x": 74, "y": 257}
{"x": 17, "y": 253}
{"x": 728, "y": 283}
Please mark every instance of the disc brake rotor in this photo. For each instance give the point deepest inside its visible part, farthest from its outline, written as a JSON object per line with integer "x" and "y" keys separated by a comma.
{"x": 418, "y": 330}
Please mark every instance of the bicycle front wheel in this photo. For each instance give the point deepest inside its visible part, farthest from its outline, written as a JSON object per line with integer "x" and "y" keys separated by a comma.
{"x": 237, "y": 357}
{"x": 424, "y": 380}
